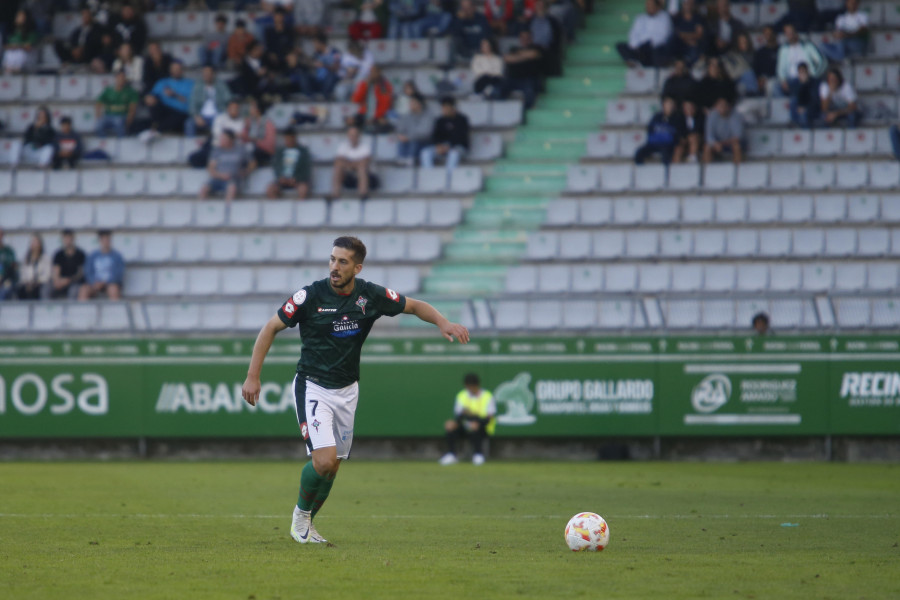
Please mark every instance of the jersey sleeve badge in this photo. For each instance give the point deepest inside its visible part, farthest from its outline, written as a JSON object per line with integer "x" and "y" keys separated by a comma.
{"x": 299, "y": 297}
{"x": 392, "y": 295}
{"x": 289, "y": 308}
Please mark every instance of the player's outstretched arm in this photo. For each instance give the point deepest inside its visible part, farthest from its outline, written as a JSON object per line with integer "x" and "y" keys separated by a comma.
{"x": 430, "y": 314}
{"x": 250, "y": 389}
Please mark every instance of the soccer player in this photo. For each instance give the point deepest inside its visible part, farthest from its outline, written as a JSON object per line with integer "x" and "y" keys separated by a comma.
{"x": 335, "y": 317}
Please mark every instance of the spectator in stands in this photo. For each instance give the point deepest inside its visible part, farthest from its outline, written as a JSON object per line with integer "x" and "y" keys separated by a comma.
{"x": 739, "y": 66}
{"x": 664, "y": 133}
{"x": 20, "y": 45}
{"x": 436, "y": 21}
{"x": 296, "y": 77}
{"x": 279, "y": 42}
{"x": 838, "y": 100}
{"x": 761, "y": 324}
{"x": 168, "y": 102}
{"x": 690, "y": 34}
{"x": 649, "y": 38}
{"x": 34, "y": 273}
{"x": 499, "y": 13}
{"x": 801, "y": 14}
{"x": 228, "y": 166}
{"x": 804, "y": 99}
{"x": 826, "y": 13}
{"x": 793, "y": 52}
{"x": 67, "y": 273}
{"x": 404, "y": 100}
{"x": 371, "y": 20}
{"x": 403, "y": 16}
{"x": 254, "y": 78}
{"x": 680, "y": 85}
{"x": 116, "y": 107}
{"x": 851, "y": 34}
{"x": 356, "y": 63}
{"x": 228, "y": 120}
{"x": 765, "y": 61}
{"x": 215, "y": 44}
{"x": 694, "y": 134}
{"x": 373, "y": 98}
{"x": 469, "y": 28}
{"x": 894, "y": 134}
{"x": 8, "y": 270}
{"x": 715, "y": 85}
{"x": 157, "y": 66}
{"x": 132, "y": 65}
{"x": 107, "y": 56}
{"x": 83, "y": 44}
{"x": 258, "y": 133}
{"x": 209, "y": 98}
{"x": 309, "y": 16}
{"x": 104, "y": 270}
{"x": 293, "y": 168}
{"x": 524, "y": 66}
{"x": 351, "y": 164}
{"x": 41, "y": 12}
{"x": 724, "y": 133}
{"x": 238, "y": 42}
{"x": 449, "y": 137}
{"x": 723, "y": 28}
{"x": 487, "y": 71}
{"x": 67, "y": 146}
{"x": 326, "y": 65}
{"x": 542, "y": 27}
{"x": 413, "y": 131}
{"x": 130, "y": 27}
{"x": 37, "y": 148}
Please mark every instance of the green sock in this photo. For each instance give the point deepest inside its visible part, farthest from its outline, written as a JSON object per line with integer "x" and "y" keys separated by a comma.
{"x": 310, "y": 482}
{"x": 322, "y": 495}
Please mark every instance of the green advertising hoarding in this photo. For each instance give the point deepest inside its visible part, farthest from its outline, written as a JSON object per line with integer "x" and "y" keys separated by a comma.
{"x": 574, "y": 386}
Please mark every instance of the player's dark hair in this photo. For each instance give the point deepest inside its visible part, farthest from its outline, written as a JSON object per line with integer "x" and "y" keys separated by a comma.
{"x": 760, "y": 316}
{"x": 471, "y": 379}
{"x": 448, "y": 101}
{"x": 68, "y": 231}
{"x": 352, "y": 244}
{"x": 104, "y": 232}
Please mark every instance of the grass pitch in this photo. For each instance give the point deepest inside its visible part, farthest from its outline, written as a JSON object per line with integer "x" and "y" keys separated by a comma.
{"x": 416, "y": 530}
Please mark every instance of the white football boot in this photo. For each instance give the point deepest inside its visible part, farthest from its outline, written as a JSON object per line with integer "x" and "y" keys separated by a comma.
{"x": 478, "y": 459}
{"x": 448, "y": 459}
{"x": 302, "y": 529}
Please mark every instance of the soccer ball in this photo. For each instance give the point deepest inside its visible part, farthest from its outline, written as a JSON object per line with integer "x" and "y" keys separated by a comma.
{"x": 587, "y": 531}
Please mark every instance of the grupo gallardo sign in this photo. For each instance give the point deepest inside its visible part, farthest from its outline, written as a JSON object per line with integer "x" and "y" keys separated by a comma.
{"x": 572, "y": 386}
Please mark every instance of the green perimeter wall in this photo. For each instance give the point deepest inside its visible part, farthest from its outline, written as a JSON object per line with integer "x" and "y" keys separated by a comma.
{"x": 573, "y": 386}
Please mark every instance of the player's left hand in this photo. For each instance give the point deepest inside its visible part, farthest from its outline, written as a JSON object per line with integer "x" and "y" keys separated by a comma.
{"x": 455, "y": 330}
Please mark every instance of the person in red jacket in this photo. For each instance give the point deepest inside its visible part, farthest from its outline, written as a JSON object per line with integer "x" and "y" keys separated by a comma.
{"x": 374, "y": 96}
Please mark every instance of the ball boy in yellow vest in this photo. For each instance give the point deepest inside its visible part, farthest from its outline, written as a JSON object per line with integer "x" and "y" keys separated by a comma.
{"x": 475, "y": 417}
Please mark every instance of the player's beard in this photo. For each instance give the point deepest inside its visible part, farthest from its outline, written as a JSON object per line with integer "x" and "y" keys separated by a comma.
{"x": 338, "y": 282}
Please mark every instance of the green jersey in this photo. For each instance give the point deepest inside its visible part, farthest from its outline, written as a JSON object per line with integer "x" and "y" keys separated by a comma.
{"x": 333, "y": 327}
{"x": 117, "y": 102}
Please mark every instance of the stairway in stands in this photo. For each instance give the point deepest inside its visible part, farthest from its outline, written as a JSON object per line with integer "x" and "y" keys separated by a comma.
{"x": 533, "y": 172}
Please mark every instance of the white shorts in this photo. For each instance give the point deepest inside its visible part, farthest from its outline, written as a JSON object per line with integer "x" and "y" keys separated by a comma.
{"x": 326, "y": 416}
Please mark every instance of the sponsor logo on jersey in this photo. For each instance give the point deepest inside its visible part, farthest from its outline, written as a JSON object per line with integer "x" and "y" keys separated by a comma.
{"x": 361, "y": 303}
{"x": 345, "y": 327}
{"x": 289, "y": 308}
{"x": 299, "y": 297}
{"x": 323, "y": 309}
{"x": 304, "y": 430}
{"x": 393, "y": 295}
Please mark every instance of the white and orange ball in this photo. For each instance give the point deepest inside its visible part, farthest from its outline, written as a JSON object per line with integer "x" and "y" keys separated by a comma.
{"x": 587, "y": 531}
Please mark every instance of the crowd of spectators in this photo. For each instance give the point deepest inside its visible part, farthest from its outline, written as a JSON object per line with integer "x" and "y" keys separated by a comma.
{"x": 715, "y": 66}
{"x": 69, "y": 274}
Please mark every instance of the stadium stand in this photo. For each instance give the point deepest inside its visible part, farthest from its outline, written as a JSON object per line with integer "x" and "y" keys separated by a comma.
{"x": 547, "y": 206}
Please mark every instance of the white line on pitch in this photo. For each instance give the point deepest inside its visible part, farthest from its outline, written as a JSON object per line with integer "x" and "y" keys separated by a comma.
{"x": 504, "y": 517}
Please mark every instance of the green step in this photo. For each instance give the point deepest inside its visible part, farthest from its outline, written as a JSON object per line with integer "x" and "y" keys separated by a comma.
{"x": 505, "y": 217}
{"x": 471, "y": 235}
{"x": 513, "y": 168}
{"x": 548, "y": 151}
{"x": 543, "y": 134}
{"x": 495, "y": 252}
{"x": 466, "y": 286}
{"x": 456, "y": 271}
{"x": 511, "y": 201}
{"x": 604, "y": 54}
{"x": 613, "y": 73}
{"x": 564, "y": 119}
{"x": 525, "y": 183}
{"x": 583, "y": 86}
{"x": 569, "y": 103}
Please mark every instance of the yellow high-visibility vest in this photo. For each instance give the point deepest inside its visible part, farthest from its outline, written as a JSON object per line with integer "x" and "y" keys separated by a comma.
{"x": 478, "y": 406}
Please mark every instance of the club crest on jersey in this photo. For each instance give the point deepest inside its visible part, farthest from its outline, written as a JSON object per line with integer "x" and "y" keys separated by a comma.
{"x": 392, "y": 295}
{"x": 361, "y": 303}
{"x": 300, "y": 297}
{"x": 316, "y": 424}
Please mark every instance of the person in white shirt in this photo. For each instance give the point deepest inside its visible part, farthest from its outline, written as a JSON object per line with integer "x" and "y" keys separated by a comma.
{"x": 838, "y": 100}
{"x": 230, "y": 120}
{"x": 649, "y": 39}
{"x": 356, "y": 63}
{"x": 792, "y": 54}
{"x": 351, "y": 165}
{"x": 851, "y": 34}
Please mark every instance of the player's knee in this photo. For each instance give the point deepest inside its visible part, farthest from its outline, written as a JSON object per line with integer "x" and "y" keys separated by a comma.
{"x": 450, "y": 426}
{"x": 325, "y": 465}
